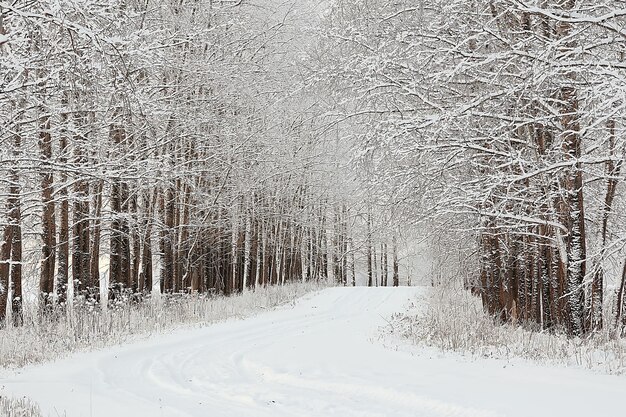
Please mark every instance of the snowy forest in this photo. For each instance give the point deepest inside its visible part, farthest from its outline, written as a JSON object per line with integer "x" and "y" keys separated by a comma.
{"x": 168, "y": 145}
{"x": 162, "y": 151}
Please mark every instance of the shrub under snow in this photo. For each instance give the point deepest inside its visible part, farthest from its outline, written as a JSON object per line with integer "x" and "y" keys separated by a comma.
{"x": 86, "y": 326}
{"x": 18, "y": 407}
{"x": 452, "y": 319}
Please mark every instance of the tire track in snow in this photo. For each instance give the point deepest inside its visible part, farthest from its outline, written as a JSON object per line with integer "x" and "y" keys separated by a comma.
{"x": 314, "y": 359}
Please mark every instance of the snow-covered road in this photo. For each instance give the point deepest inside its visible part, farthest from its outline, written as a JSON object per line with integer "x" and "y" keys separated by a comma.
{"x": 318, "y": 358}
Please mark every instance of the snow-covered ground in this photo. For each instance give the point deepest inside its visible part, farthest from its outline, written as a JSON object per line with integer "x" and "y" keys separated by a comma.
{"x": 319, "y": 357}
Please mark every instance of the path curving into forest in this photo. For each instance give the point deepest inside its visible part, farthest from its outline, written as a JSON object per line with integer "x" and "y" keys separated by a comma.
{"x": 318, "y": 357}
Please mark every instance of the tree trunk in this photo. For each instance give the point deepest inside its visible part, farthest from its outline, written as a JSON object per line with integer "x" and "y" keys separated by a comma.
{"x": 247, "y": 251}
{"x": 80, "y": 229}
{"x": 385, "y": 263}
{"x": 63, "y": 277}
{"x": 94, "y": 267}
{"x": 14, "y": 215}
{"x": 369, "y": 243}
{"x": 48, "y": 222}
{"x": 396, "y": 265}
{"x": 5, "y": 269}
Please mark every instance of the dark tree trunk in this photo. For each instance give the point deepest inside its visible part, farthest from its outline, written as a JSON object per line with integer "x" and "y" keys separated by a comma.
{"x": 48, "y": 222}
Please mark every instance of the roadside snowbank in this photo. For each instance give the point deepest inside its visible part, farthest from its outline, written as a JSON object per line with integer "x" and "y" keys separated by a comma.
{"x": 452, "y": 319}
{"x": 48, "y": 338}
